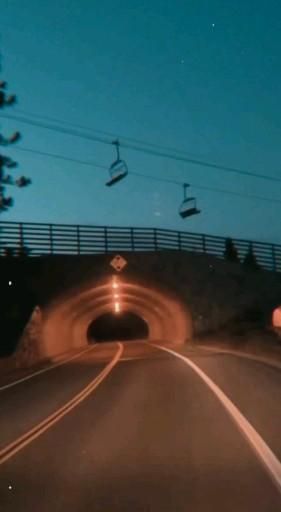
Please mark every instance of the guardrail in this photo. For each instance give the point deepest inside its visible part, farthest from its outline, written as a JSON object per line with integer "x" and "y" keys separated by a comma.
{"x": 36, "y": 239}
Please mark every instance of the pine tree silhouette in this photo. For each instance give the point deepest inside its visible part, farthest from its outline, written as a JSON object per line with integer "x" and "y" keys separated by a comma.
{"x": 230, "y": 252}
{"x": 6, "y": 163}
{"x": 250, "y": 260}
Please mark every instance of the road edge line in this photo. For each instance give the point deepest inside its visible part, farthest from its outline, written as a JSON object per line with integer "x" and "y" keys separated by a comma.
{"x": 266, "y": 455}
{"x": 243, "y": 355}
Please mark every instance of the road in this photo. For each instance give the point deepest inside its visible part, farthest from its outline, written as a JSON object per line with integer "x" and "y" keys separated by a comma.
{"x": 131, "y": 427}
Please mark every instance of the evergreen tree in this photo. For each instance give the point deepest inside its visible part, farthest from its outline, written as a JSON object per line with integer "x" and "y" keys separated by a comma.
{"x": 230, "y": 252}
{"x": 250, "y": 260}
{"x": 6, "y": 100}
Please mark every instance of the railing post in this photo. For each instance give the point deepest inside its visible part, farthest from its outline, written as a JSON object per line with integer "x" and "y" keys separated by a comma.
{"x": 204, "y": 243}
{"x": 155, "y": 239}
{"x": 274, "y": 266}
{"x": 179, "y": 241}
{"x": 21, "y": 240}
{"x": 78, "y": 239}
{"x": 51, "y": 238}
{"x": 132, "y": 232}
{"x": 1, "y": 241}
{"x": 105, "y": 240}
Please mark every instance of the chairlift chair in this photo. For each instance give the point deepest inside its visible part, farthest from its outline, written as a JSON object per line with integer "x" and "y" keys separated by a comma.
{"x": 188, "y": 206}
{"x": 118, "y": 169}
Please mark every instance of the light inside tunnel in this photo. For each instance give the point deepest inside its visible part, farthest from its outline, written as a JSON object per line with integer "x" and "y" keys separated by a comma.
{"x": 115, "y": 283}
{"x": 117, "y": 307}
{"x": 124, "y": 327}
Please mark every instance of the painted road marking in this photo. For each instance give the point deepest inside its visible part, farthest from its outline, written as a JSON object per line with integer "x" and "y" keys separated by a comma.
{"x": 244, "y": 355}
{"x": 47, "y": 369}
{"x": 138, "y": 358}
{"x": 266, "y": 455}
{"x": 24, "y": 440}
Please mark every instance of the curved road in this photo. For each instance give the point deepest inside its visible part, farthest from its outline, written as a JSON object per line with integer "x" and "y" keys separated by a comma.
{"x": 131, "y": 427}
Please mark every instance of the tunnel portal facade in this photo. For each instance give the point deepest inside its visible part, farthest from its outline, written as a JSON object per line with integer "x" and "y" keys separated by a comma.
{"x": 91, "y": 314}
{"x": 176, "y": 294}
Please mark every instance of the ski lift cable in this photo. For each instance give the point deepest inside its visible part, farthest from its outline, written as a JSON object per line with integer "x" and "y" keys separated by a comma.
{"x": 146, "y": 176}
{"x": 139, "y": 148}
{"x": 107, "y": 134}
{"x": 185, "y": 187}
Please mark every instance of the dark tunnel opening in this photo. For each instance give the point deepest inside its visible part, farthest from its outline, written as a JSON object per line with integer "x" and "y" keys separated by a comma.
{"x": 123, "y": 326}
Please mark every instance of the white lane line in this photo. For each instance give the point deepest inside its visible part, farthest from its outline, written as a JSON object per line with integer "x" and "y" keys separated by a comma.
{"x": 266, "y": 455}
{"x": 43, "y": 370}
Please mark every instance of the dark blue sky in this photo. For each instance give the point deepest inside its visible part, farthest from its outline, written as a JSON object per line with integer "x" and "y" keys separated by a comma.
{"x": 200, "y": 76}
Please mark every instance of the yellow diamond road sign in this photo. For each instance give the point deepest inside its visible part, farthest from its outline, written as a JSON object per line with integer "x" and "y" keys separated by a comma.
{"x": 118, "y": 263}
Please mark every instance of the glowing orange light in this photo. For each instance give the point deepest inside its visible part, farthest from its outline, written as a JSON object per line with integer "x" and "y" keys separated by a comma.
{"x": 114, "y": 283}
{"x": 117, "y": 307}
{"x": 116, "y": 295}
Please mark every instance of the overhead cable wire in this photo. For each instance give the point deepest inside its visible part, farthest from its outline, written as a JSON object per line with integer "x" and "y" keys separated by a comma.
{"x": 107, "y": 134}
{"x": 150, "y": 151}
{"x": 147, "y": 176}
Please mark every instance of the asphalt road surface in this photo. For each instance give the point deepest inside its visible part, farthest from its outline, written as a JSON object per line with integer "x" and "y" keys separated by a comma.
{"x": 130, "y": 427}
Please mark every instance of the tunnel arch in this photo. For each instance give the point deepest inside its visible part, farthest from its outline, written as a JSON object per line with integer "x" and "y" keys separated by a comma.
{"x": 67, "y": 320}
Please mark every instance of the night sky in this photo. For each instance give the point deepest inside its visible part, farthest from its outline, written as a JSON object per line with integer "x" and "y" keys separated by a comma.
{"x": 203, "y": 77}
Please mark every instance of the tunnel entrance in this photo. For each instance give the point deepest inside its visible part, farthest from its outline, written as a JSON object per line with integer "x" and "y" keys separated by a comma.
{"x": 124, "y": 327}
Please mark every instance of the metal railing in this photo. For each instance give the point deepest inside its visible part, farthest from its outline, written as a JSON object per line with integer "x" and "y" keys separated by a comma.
{"x": 36, "y": 239}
